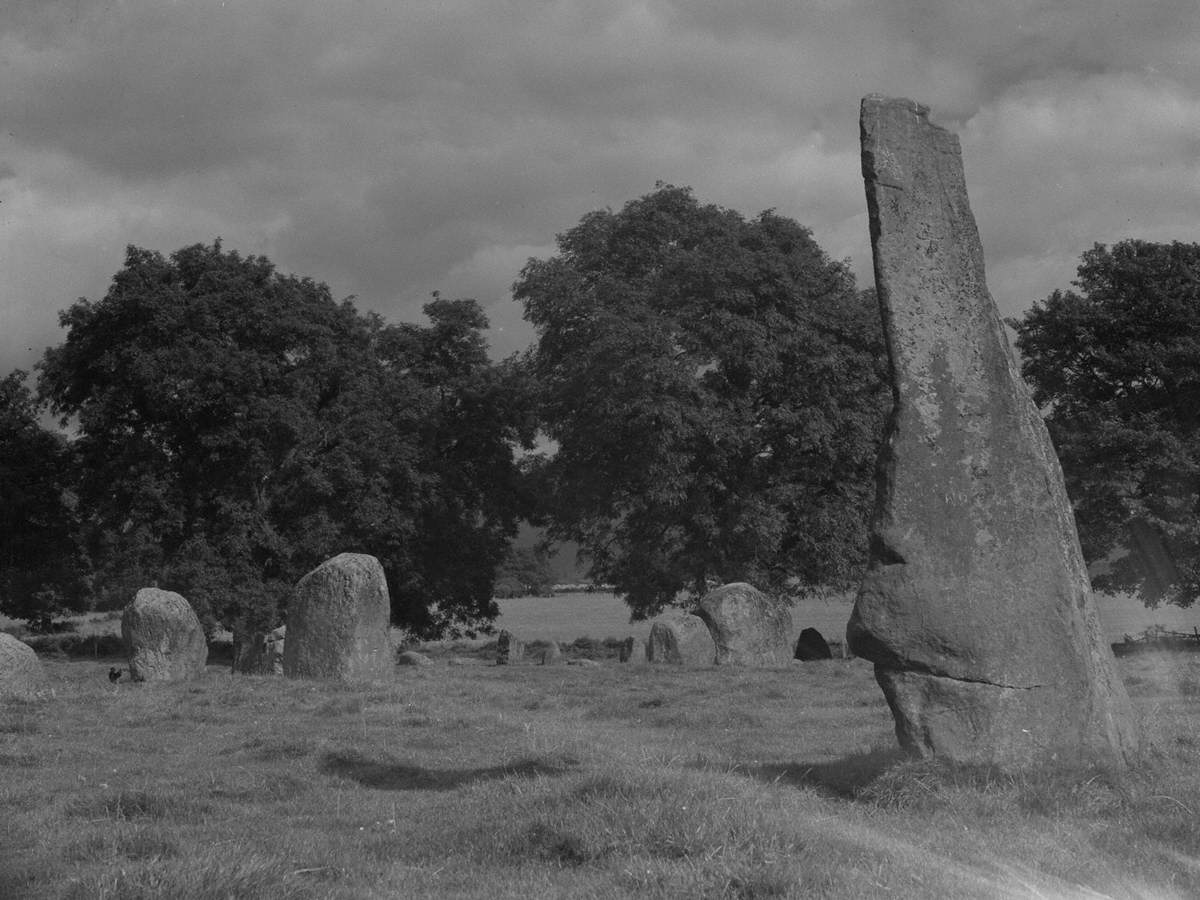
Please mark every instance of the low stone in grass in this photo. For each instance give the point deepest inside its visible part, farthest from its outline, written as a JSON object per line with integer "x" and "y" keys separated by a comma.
{"x": 551, "y": 655}
{"x": 508, "y": 649}
{"x": 338, "y": 622}
{"x": 748, "y": 627}
{"x": 163, "y": 637}
{"x": 682, "y": 639}
{"x": 633, "y": 651}
{"x": 261, "y": 653}
{"x": 811, "y": 645}
{"x": 21, "y": 672}
{"x": 412, "y": 658}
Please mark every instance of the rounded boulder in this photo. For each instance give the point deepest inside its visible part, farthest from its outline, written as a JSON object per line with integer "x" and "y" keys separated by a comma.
{"x": 748, "y": 627}
{"x": 21, "y": 672}
{"x": 163, "y": 637}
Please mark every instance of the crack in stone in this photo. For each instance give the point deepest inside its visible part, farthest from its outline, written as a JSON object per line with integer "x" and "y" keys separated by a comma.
{"x": 926, "y": 669}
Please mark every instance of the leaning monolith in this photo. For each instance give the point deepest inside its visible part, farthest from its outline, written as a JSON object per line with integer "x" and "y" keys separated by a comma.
{"x": 337, "y": 622}
{"x": 976, "y": 608}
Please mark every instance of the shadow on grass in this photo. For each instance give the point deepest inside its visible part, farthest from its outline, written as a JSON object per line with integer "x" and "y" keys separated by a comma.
{"x": 844, "y": 778}
{"x": 390, "y": 776}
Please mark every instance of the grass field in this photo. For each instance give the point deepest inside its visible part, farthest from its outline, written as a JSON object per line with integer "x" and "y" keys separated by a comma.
{"x": 554, "y": 781}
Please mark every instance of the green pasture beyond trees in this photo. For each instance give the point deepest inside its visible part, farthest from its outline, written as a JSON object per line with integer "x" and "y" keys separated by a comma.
{"x": 1116, "y": 364}
{"x": 552, "y": 781}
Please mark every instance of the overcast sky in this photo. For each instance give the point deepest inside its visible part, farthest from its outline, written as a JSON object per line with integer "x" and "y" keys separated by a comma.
{"x": 391, "y": 149}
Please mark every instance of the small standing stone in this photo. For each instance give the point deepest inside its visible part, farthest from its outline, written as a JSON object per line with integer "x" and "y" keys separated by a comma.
{"x": 680, "y": 638}
{"x": 21, "y": 672}
{"x": 632, "y": 650}
{"x": 337, "y": 622}
{"x": 261, "y": 653}
{"x": 552, "y": 655}
{"x": 508, "y": 649}
{"x": 163, "y": 637}
{"x": 811, "y": 645}
{"x": 748, "y": 627}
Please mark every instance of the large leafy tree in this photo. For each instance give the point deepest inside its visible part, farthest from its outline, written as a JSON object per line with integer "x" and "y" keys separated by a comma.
{"x": 1116, "y": 365}
{"x": 236, "y": 426}
{"x": 715, "y": 390}
{"x": 41, "y": 571}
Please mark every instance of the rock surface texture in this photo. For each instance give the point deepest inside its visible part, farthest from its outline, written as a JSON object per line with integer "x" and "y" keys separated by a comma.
{"x": 976, "y": 609}
{"x": 680, "y": 638}
{"x": 632, "y": 651}
{"x": 508, "y": 649}
{"x": 747, "y": 627}
{"x": 163, "y": 637}
{"x": 21, "y": 673}
{"x": 337, "y": 622}
{"x": 261, "y": 653}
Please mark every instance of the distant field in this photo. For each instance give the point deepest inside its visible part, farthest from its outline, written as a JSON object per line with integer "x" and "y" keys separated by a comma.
{"x": 568, "y": 616}
{"x": 599, "y": 615}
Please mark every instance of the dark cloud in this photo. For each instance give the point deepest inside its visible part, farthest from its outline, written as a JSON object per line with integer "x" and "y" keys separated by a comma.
{"x": 394, "y": 149}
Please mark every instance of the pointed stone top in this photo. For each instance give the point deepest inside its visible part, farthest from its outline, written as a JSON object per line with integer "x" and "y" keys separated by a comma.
{"x": 902, "y": 103}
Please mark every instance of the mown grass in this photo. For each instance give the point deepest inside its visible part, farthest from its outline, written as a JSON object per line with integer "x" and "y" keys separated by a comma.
{"x": 548, "y": 781}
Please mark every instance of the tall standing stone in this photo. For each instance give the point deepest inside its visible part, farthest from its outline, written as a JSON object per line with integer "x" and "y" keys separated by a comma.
{"x": 337, "y": 622}
{"x": 976, "y": 609}
{"x": 163, "y": 637}
{"x": 748, "y": 627}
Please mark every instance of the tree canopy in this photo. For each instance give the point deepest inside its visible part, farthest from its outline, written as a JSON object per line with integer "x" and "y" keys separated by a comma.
{"x": 236, "y": 426}
{"x": 41, "y": 571}
{"x": 715, "y": 388}
{"x": 1116, "y": 364}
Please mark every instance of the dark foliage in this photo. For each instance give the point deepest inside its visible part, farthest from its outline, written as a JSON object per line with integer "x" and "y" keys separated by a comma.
{"x": 716, "y": 390}
{"x": 237, "y": 426}
{"x": 1116, "y": 365}
{"x": 42, "y": 572}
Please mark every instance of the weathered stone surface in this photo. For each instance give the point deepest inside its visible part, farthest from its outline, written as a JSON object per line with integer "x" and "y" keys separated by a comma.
{"x": 747, "y": 626}
{"x": 680, "y": 638}
{"x": 551, "y": 655}
{"x": 508, "y": 649}
{"x": 261, "y": 653}
{"x": 977, "y": 609}
{"x": 163, "y": 637}
{"x": 811, "y": 646}
{"x": 21, "y": 672}
{"x": 337, "y": 622}
{"x": 632, "y": 651}
{"x": 412, "y": 658}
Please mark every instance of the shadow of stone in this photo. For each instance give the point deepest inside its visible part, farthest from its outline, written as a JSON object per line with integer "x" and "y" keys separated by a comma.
{"x": 388, "y": 776}
{"x": 843, "y": 778}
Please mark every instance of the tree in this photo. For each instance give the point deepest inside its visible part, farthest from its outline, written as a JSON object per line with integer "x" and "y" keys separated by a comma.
{"x": 716, "y": 391}
{"x": 525, "y": 571}
{"x": 41, "y": 571}
{"x": 1116, "y": 366}
{"x": 237, "y": 426}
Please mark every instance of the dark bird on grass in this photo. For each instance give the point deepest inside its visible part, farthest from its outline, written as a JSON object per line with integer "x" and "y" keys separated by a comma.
{"x": 114, "y": 674}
